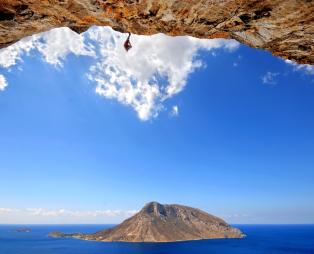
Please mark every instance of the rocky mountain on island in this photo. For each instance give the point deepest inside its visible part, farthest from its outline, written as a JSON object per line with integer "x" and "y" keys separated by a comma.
{"x": 163, "y": 223}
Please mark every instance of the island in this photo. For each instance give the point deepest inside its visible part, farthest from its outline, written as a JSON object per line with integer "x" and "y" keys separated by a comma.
{"x": 23, "y": 230}
{"x": 162, "y": 223}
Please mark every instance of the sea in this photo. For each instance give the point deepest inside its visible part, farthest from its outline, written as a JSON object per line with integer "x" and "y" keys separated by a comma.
{"x": 266, "y": 239}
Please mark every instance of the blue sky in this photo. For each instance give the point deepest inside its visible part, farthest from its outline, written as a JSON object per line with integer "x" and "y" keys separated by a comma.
{"x": 89, "y": 135}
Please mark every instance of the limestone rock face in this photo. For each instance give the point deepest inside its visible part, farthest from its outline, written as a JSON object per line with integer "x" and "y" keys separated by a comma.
{"x": 284, "y": 27}
{"x": 164, "y": 223}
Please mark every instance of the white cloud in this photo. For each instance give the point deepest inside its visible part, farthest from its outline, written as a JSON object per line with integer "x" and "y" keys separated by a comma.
{"x": 75, "y": 213}
{"x": 57, "y": 216}
{"x": 3, "y": 83}
{"x": 67, "y": 213}
{"x": 306, "y": 68}
{"x": 53, "y": 45}
{"x": 56, "y": 44}
{"x": 155, "y": 69}
{"x": 11, "y": 55}
{"x": 174, "y": 111}
{"x": 235, "y": 216}
{"x": 7, "y": 210}
{"x": 270, "y": 78}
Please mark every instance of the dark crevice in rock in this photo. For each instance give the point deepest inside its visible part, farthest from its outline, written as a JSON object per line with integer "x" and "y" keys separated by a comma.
{"x": 6, "y": 16}
{"x": 246, "y": 18}
{"x": 265, "y": 12}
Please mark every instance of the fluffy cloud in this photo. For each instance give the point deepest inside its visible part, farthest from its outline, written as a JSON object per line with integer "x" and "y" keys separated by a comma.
{"x": 11, "y": 55}
{"x": 3, "y": 83}
{"x": 306, "y": 68}
{"x": 154, "y": 70}
{"x": 53, "y": 45}
{"x": 56, "y": 44}
{"x": 270, "y": 78}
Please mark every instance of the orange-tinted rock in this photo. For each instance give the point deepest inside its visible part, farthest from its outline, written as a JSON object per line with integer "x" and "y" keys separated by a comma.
{"x": 284, "y": 27}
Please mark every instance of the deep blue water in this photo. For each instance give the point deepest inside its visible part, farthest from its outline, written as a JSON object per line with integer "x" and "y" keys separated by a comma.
{"x": 268, "y": 239}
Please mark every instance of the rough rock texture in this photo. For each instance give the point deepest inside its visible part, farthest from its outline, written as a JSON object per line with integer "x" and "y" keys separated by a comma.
{"x": 284, "y": 27}
{"x": 164, "y": 223}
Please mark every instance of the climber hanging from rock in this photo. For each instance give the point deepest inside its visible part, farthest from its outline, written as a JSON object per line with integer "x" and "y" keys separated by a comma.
{"x": 127, "y": 43}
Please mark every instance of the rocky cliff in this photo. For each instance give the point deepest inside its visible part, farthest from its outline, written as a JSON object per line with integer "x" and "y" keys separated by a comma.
{"x": 164, "y": 223}
{"x": 284, "y": 27}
